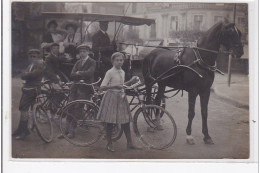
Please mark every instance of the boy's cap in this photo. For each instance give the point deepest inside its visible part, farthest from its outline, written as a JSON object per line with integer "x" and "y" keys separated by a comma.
{"x": 83, "y": 46}
{"x": 34, "y": 51}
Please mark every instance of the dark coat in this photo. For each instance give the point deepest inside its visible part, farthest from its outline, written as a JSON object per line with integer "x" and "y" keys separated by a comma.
{"x": 32, "y": 76}
{"x": 86, "y": 70}
{"x": 86, "y": 73}
{"x": 47, "y": 38}
{"x": 101, "y": 41}
{"x": 53, "y": 64}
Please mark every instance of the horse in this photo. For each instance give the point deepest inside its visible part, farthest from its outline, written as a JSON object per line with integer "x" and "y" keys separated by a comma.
{"x": 193, "y": 71}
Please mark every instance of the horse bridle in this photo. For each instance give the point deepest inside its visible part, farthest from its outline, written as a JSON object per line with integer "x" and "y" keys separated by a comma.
{"x": 202, "y": 63}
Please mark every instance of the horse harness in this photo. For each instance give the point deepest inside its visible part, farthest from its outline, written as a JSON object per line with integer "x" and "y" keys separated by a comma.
{"x": 199, "y": 61}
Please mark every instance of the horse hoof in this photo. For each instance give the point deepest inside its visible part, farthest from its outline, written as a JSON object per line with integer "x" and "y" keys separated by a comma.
{"x": 208, "y": 141}
{"x": 190, "y": 140}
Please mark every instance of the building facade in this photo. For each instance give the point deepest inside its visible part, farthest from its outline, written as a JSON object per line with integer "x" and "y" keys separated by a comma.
{"x": 171, "y": 17}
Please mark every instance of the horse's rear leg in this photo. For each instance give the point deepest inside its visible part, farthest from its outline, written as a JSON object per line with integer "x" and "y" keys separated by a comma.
{"x": 204, "y": 100}
{"x": 192, "y": 100}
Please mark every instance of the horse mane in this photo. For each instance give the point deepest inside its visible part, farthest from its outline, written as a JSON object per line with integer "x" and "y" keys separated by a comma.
{"x": 214, "y": 32}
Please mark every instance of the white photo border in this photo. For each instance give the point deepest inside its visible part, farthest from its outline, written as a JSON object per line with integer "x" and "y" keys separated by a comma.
{"x": 152, "y": 165}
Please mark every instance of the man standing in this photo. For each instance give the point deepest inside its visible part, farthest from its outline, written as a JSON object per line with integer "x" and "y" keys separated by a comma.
{"x": 102, "y": 48}
{"x": 83, "y": 71}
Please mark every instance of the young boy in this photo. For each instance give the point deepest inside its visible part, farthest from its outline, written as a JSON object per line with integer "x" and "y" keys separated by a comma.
{"x": 83, "y": 70}
{"x": 32, "y": 77}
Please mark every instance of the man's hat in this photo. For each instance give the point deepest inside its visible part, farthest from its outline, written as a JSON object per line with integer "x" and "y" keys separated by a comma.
{"x": 52, "y": 22}
{"x": 83, "y": 46}
{"x": 31, "y": 51}
{"x": 103, "y": 22}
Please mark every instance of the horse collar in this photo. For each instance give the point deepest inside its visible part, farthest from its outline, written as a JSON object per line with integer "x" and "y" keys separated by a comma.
{"x": 202, "y": 63}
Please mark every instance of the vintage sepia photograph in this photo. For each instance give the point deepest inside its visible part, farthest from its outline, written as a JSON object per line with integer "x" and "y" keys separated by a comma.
{"x": 129, "y": 80}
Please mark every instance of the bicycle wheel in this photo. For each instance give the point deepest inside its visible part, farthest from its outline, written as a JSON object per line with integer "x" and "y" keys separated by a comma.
{"x": 154, "y": 132}
{"x": 43, "y": 123}
{"x": 80, "y": 117}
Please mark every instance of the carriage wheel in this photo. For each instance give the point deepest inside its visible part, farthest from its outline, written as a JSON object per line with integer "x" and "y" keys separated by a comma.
{"x": 154, "y": 132}
{"x": 43, "y": 123}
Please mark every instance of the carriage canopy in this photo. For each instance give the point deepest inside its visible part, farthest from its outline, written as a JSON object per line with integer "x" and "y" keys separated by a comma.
{"x": 101, "y": 17}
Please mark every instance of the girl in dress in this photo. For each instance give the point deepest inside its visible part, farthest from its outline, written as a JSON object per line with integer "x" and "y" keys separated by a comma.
{"x": 114, "y": 108}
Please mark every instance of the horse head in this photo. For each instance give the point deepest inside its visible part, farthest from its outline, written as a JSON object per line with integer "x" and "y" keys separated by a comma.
{"x": 231, "y": 39}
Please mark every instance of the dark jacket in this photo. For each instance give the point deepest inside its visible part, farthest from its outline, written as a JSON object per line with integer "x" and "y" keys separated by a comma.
{"x": 33, "y": 74}
{"x": 86, "y": 73}
{"x": 53, "y": 66}
{"x": 86, "y": 70}
{"x": 47, "y": 38}
{"x": 101, "y": 41}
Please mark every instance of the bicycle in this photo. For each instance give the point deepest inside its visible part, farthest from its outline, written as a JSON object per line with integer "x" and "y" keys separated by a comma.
{"x": 38, "y": 118}
{"x": 71, "y": 112}
{"x": 88, "y": 130}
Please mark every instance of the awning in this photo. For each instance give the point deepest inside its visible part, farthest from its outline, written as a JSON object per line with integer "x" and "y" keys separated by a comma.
{"x": 100, "y": 17}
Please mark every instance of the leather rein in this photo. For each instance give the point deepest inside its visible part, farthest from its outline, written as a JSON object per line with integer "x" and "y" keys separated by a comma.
{"x": 205, "y": 65}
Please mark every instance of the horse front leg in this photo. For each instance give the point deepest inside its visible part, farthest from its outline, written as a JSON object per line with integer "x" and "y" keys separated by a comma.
{"x": 191, "y": 113}
{"x": 160, "y": 93}
{"x": 148, "y": 90}
{"x": 204, "y": 100}
{"x": 158, "y": 99}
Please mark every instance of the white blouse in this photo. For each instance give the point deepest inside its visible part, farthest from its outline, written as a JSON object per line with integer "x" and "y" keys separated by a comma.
{"x": 114, "y": 77}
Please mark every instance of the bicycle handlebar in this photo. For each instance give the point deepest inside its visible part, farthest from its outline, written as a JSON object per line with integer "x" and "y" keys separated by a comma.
{"x": 135, "y": 85}
{"x": 83, "y": 83}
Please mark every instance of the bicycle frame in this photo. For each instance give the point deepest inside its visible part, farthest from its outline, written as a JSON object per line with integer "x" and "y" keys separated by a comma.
{"x": 49, "y": 101}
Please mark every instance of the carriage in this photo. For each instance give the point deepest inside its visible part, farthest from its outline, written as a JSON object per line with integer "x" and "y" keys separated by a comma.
{"x": 85, "y": 21}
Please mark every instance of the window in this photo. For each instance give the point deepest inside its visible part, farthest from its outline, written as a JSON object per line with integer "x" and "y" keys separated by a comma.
{"x": 218, "y": 18}
{"x": 174, "y": 23}
{"x": 197, "y": 22}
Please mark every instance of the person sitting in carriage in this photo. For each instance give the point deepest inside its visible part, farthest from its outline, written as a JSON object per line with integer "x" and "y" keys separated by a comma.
{"x": 32, "y": 77}
{"x": 83, "y": 71}
{"x": 103, "y": 48}
{"x": 72, "y": 40}
{"x": 53, "y": 62}
{"x": 53, "y": 35}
